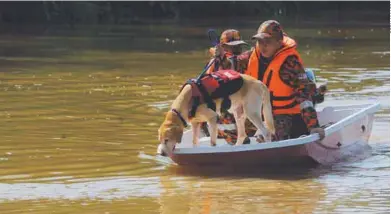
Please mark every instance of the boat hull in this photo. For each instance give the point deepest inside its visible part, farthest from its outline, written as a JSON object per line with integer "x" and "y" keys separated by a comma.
{"x": 346, "y": 138}
{"x": 292, "y": 155}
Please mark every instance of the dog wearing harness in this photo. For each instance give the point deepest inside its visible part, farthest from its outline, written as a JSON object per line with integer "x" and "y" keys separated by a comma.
{"x": 202, "y": 101}
{"x": 220, "y": 84}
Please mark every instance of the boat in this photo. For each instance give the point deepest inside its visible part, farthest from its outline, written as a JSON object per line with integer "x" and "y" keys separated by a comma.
{"x": 347, "y": 131}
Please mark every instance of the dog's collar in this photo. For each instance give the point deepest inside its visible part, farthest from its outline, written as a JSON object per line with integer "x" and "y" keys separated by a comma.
{"x": 180, "y": 117}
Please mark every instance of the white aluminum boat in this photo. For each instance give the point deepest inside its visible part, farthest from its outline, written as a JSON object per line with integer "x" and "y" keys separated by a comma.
{"x": 348, "y": 129}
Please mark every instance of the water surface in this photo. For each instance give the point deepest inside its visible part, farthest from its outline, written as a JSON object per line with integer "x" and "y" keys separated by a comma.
{"x": 79, "y": 121}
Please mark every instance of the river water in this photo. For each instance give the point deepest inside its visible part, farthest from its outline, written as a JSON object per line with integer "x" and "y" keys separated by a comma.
{"x": 79, "y": 117}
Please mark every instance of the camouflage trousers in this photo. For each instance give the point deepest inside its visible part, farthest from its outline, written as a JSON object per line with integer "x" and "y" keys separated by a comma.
{"x": 287, "y": 127}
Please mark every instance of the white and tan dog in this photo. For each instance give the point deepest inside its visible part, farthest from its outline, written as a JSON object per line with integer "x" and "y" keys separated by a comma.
{"x": 246, "y": 102}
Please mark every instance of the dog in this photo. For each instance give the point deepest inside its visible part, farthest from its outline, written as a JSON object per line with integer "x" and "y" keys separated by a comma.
{"x": 246, "y": 102}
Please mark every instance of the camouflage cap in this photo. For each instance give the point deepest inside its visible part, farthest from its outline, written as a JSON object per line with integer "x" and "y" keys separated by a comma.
{"x": 231, "y": 37}
{"x": 269, "y": 29}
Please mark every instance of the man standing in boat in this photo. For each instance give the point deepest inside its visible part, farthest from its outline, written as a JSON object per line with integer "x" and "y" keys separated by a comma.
{"x": 275, "y": 61}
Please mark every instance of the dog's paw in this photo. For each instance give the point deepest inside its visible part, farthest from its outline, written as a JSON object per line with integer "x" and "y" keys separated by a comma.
{"x": 246, "y": 140}
{"x": 260, "y": 139}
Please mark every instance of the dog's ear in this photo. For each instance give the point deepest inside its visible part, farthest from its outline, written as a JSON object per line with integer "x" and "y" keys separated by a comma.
{"x": 179, "y": 137}
{"x": 177, "y": 133}
{"x": 165, "y": 132}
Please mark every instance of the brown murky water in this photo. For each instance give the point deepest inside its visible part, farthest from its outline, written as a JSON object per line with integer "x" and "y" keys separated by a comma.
{"x": 79, "y": 119}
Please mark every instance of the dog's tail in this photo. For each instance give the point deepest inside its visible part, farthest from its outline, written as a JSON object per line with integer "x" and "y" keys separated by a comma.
{"x": 267, "y": 107}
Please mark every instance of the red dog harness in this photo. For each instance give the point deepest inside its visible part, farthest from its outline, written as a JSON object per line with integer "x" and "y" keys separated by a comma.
{"x": 219, "y": 84}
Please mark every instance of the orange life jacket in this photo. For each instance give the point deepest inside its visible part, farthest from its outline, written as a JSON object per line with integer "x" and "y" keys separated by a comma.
{"x": 282, "y": 96}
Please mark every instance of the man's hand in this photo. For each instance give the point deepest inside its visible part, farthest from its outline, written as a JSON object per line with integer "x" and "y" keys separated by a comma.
{"x": 322, "y": 89}
{"x": 320, "y": 131}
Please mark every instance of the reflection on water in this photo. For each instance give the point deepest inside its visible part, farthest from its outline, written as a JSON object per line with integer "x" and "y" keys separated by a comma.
{"x": 79, "y": 119}
{"x": 107, "y": 188}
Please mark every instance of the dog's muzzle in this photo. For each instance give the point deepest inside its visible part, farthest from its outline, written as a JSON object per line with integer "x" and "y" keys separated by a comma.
{"x": 161, "y": 150}
{"x": 163, "y": 154}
